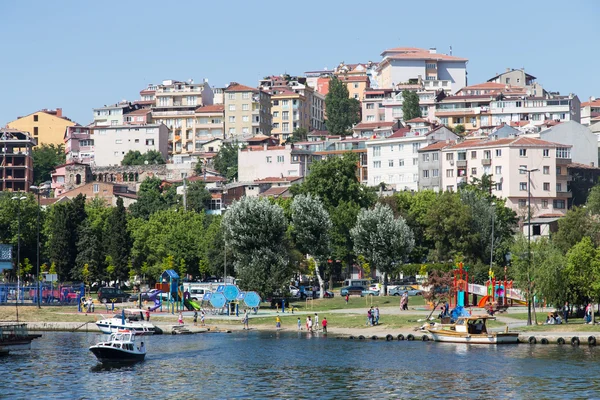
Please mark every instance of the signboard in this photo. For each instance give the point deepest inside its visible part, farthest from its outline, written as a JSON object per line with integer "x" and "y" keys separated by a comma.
{"x": 220, "y": 288}
{"x": 5, "y": 256}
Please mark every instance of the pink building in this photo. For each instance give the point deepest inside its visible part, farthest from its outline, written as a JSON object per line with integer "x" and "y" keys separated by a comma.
{"x": 79, "y": 146}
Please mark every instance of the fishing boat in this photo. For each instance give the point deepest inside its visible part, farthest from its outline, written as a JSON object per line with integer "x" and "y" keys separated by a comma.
{"x": 120, "y": 348}
{"x": 15, "y": 337}
{"x": 130, "y": 319}
{"x": 471, "y": 329}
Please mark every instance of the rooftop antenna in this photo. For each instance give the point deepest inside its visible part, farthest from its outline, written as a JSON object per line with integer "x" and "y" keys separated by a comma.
{"x": 450, "y": 50}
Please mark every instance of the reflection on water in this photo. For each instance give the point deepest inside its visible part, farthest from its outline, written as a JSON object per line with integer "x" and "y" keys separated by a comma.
{"x": 294, "y": 365}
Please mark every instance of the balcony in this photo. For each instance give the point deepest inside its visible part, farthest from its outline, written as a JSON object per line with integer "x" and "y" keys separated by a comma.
{"x": 486, "y": 161}
{"x": 563, "y": 161}
{"x": 564, "y": 195}
{"x": 461, "y": 164}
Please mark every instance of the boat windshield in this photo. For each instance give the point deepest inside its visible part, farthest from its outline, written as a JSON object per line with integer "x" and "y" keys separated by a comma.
{"x": 477, "y": 326}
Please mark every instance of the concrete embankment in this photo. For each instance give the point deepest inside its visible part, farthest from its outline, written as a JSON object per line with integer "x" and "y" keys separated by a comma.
{"x": 91, "y": 327}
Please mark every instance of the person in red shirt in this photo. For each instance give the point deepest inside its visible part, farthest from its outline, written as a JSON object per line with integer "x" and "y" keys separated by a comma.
{"x": 324, "y": 323}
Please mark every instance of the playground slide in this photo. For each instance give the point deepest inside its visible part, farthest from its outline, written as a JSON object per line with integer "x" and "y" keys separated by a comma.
{"x": 154, "y": 297}
{"x": 195, "y": 305}
{"x": 483, "y": 301}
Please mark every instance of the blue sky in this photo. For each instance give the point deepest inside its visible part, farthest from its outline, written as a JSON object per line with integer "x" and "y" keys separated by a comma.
{"x": 82, "y": 54}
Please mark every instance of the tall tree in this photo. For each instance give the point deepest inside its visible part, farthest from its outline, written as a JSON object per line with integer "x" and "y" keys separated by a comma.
{"x": 310, "y": 229}
{"x": 410, "y": 105}
{"x": 198, "y": 197}
{"x": 342, "y": 111}
{"x": 255, "y": 232}
{"x": 118, "y": 241}
{"x": 298, "y": 135}
{"x": 45, "y": 159}
{"x": 134, "y": 157}
{"x": 226, "y": 160}
{"x": 153, "y": 197}
{"x": 383, "y": 240}
{"x": 574, "y": 226}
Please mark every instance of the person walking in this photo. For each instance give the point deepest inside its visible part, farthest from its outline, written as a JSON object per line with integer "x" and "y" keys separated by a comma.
{"x": 565, "y": 312}
{"x": 180, "y": 320}
{"x": 316, "y": 322}
{"x": 588, "y": 313}
{"x": 195, "y": 317}
{"x": 376, "y": 315}
{"x": 369, "y": 317}
{"x": 277, "y": 322}
{"x": 324, "y": 323}
{"x": 310, "y": 324}
{"x": 307, "y": 319}
{"x": 299, "y": 324}
{"x": 347, "y": 297}
{"x": 148, "y": 314}
{"x": 245, "y": 320}
{"x": 202, "y": 318}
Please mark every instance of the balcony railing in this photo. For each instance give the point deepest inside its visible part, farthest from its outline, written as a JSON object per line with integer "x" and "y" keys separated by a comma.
{"x": 486, "y": 161}
{"x": 564, "y": 194}
{"x": 461, "y": 164}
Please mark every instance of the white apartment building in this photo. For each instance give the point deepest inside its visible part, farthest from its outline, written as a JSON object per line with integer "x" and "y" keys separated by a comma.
{"x": 113, "y": 114}
{"x": 507, "y": 109}
{"x": 111, "y": 143}
{"x": 505, "y": 160}
{"x": 385, "y": 105}
{"x": 260, "y": 162}
{"x": 413, "y": 65}
{"x": 395, "y": 160}
{"x": 590, "y": 110}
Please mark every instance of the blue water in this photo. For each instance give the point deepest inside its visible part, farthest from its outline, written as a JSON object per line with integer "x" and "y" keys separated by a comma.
{"x": 289, "y": 365}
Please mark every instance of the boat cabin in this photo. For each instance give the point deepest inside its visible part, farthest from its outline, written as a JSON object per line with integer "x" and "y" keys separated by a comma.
{"x": 474, "y": 325}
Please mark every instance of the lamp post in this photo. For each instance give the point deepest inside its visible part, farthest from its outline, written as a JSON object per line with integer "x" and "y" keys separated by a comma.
{"x": 18, "y": 199}
{"x": 492, "y": 250}
{"x": 37, "y": 190}
{"x": 528, "y": 171}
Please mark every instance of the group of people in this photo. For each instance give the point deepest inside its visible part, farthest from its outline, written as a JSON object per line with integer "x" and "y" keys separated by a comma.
{"x": 202, "y": 316}
{"x": 312, "y": 324}
{"x": 553, "y": 318}
{"x": 373, "y": 316}
{"x": 445, "y": 311}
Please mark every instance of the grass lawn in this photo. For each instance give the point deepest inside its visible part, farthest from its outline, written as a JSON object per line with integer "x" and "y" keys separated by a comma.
{"x": 339, "y": 303}
{"x": 46, "y": 314}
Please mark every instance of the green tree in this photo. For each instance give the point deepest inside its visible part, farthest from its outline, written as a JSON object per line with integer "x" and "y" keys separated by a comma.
{"x": 298, "y": 135}
{"x": 593, "y": 200}
{"x": 153, "y": 197}
{"x": 459, "y": 129}
{"x": 310, "y": 230}
{"x": 582, "y": 271}
{"x": 260, "y": 258}
{"x": 45, "y": 159}
{"x": 11, "y": 211}
{"x": 226, "y": 160}
{"x": 383, "y": 240}
{"x": 154, "y": 157}
{"x": 118, "y": 240}
{"x": 134, "y": 157}
{"x": 198, "y": 197}
{"x": 574, "y": 226}
{"x": 410, "y": 105}
{"x": 342, "y": 111}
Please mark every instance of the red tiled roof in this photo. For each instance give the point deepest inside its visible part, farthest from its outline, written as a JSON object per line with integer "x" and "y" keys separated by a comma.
{"x": 551, "y": 122}
{"x": 485, "y": 85}
{"x": 236, "y": 87}
{"x": 519, "y": 141}
{"x": 276, "y": 179}
{"x": 353, "y": 78}
{"x": 399, "y": 133}
{"x": 415, "y": 53}
{"x": 438, "y": 145}
{"x": 275, "y": 191}
{"x": 202, "y": 178}
{"x": 144, "y": 102}
{"x": 141, "y": 111}
{"x": 418, "y": 120}
{"x": 374, "y": 125}
{"x": 593, "y": 103}
{"x": 211, "y": 109}
{"x": 519, "y": 123}
{"x": 258, "y": 138}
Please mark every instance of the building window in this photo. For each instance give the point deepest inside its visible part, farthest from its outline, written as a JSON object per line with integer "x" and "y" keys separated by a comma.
{"x": 231, "y": 96}
{"x": 563, "y": 152}
{"x": 449, "y": 173}
{"x": 35, "y": 131}
{"x": 461, "y": 156}
{"x": 246, "y": 95}
{"x": 35, "y": 118}
{"x": 558, "y": 170}
{"x": 269, "y": 159}
{"x": 232, "y": 131}
{"x": 245, "y": 107}
{"x": 450, "y": 188}
{"x": 376, "y": 164}
{"x": 522, "y": 169}
{"x": 149, "y": 142}
{"x": 425, "y": 173}
{"x": 400, "y": 147}
{"x": 276, "y": 125}
{"x": 401, "y": 162}
{"x": 245, "y": 118}
{"x": 522, "y": 203}
{"x": 487, "y": 154}
{"x": 370, "y": 106}
{"x": 473, "y": 171}
{"x": 370, "y": 118}
{"x": 435, "y": 173}
{"x": 559, "y": 204}
{"x": 449, "y": 156}
{"x": 546, "y": 170}
{"x": 416, "y": 147}
{"x": 390, "y": 163}
{"x": 96, "y": 188}
{"x": 523, "y": 152}
{"x": 232, "y": 107}
{"x": 280, "y": 159}
{"x": 499, "y": 186}
{"x": 416, "y": 161}
{"x": 498, "y": 170}
{"x": 544, "y": 203}
{"x": 118, "y": 141}
{"x": 376, "y": 151}
{"x": 473, "y": 155}
{"x": 425, "y": 157}
{"x": 546, "y": 152}
{"x": 232, "y": 118}
{"x": 523, "y": 186}
{"x": 547, "y": 186}
{"x": 558, "y": 187}
{"x": 285, "y": 127}
{"x": 498, "y": 152}
{"x": 434, "y": 157}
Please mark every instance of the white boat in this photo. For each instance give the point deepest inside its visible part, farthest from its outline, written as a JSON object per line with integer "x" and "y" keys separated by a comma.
{"x": 471, "y": 329}
{"x": 130, "y": 319}
{"x": 120, "y": 348}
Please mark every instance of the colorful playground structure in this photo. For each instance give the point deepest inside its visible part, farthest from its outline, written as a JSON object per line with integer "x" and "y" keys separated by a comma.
{"x": 64, "y": 293}
{"x": 225, "y": 300}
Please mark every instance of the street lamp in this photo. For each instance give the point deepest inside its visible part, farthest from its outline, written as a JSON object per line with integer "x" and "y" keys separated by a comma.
{"x": 38, "y": 190}
{"x": 18, "y": 199}
{"x": 493, "y": 218}
{"x": 528, "y": 171}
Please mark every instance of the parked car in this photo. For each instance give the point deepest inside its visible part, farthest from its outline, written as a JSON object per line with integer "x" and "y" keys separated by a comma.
{"x": 107, "y": 294}
{"x": 399, "y": 290}
{"x": 376, "y": 287}
{"x": 369, "y": 292}
{"x": 351, "y": 290}
{"x": 294, "y": 291}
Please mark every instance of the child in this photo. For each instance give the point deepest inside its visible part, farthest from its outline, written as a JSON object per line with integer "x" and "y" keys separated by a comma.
{"x": 277, "y": 322}
{"x": 180, "y": 320}
{"x": 324, "y": 323}
{"x": 202, "y": 317}
{"x": 299, "y": 324}
{"x": 195, "y": 317}
{"x": 347, "y": 297}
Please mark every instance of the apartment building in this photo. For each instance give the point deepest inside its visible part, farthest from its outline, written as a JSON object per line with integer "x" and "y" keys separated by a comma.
{"x": 386, "y": 104}
{"x": 411, "y": 65}
{"x": 505, "y": 160}
{"x": 259, "y": 162}
{"x": 111, "y": 143}
{"x": 16, "y": 162}
{"x": 507, "y": 109}
{"x": 113, "y": 114}
{"x": 175, "y": 106}
{"x": 247, "y": 111}
{"x": 590, "y": 110}
{"x": 79, "y": 145}
{"x": 471, "y": 111}
{"x": 430, "y": 165}
{"x": 394, "y": 160}
{"x": 45, "y": 126}
{"x": 209, "y": 125}
{"x": 518, "y": 77}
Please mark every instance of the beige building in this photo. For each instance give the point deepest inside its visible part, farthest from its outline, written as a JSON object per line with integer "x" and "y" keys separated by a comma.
{"x": 247, "y": 111}
{"x": 46, "y": 126}
{"x": 290, "y": 111}
{"x": 505, "y": 160}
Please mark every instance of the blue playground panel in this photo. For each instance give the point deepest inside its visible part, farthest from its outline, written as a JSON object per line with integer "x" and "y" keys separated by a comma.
{"x": 241, "y": 296}
{"x": 231, "y": 292}
{"x": 252, "y": 299}
{"x": 218, "y": 300}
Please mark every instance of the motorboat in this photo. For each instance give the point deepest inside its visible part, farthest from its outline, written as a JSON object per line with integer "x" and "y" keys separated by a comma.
{"x": 15, "y": 337}
{"x": 120, "y": 348}
{"x": 130, "y": 319}
{"x": 471, "y": 329}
